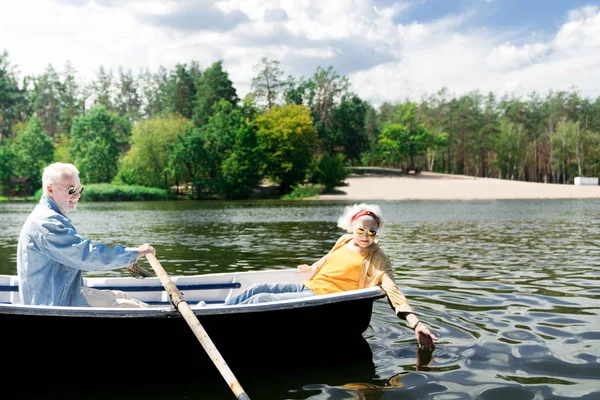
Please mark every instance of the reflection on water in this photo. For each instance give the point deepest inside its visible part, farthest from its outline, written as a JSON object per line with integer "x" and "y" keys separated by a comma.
{"x": 510, "y": 287}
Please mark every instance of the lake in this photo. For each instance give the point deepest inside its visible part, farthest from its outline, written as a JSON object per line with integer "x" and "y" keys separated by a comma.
{"x": 510, "y": 287}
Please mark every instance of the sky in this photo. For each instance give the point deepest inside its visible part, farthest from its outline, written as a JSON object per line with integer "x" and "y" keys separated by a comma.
{"x": 391, "y": 51}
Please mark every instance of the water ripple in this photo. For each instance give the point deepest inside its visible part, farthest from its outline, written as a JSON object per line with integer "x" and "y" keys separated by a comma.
{"x": 510, "y": 287}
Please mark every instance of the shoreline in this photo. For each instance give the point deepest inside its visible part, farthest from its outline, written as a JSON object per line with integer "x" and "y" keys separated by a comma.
{"x": 435, "y": 186}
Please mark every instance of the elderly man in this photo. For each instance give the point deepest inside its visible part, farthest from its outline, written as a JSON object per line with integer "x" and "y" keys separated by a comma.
{"x": 51, "y": 256}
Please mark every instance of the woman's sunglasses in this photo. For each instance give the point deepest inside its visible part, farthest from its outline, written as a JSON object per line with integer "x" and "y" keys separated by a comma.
{"x": 370, "y": 232}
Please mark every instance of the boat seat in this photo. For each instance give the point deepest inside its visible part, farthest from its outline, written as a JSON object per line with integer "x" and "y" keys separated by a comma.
{"x": 153, "y": 293}
{"x": 9, "y": 290}
{"x": 230, "y": 291}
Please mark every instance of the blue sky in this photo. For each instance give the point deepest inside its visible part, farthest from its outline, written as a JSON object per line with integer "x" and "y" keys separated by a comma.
{"x": 527, "y": 15}
{"x": 390, "y": 50}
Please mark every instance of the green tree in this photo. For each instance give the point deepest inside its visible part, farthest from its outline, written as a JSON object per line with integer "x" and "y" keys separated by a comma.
{"x": 182, "y": 89}
{"x": 433, "y": 112}
{"x": 187, "y": 159}
{"x": 392, "y": 137}
{"x": 325, "y": 89}
{"x": 213, "y": 85}
{"x": 295, "y": 91}
{"x": 511, "y": 149}
{"x": 404, "y": 142}
{"x": 534, "y": 126}
{"x": 238, "y": 174}
{"x": 267, "y": 84}
{"x": 11, "y": 97}
{"x": 7, "y": 161}
{"x": 47, "y": 101}
{"x": 34, "y": 151}
{"x": 128, "y": 102}
{"x": 372, "y": 155}
{"x": 569, "y": 144}
{"x": 218, "y": 138}
{"x": 71, "y": 103}
{"x": 221, "y": 156}
{"x": 348, "y": 134}
{"x": 102, "y": 88}
{"x": 287, "y": 140}
{"x": 152, "y": 143}
{"x": 61, "y": 148}
{"x": 330, "y": 171}
{"x": 155, "y": 91}
{"x": 96, "y": 139}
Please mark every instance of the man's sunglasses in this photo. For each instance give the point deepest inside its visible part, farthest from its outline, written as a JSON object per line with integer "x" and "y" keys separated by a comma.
{"x": 370, "y": 232}
{"x": 74, "y": 189}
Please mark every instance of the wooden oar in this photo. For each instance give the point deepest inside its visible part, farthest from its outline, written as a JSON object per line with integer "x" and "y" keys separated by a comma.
{"x": 184, "y": 309}
{"x": 136, "y": 271}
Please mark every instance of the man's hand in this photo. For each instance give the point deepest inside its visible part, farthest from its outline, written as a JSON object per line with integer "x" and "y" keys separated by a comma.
{"x": 145, "y": 249}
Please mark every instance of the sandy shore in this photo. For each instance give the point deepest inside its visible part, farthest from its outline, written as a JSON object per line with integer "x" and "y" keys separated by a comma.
{"x": 432, "y": 186}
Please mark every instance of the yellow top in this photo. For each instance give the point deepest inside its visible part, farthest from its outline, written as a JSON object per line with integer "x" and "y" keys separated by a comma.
{"x": 340, "y": 272}
{"x": 376, "y": 270}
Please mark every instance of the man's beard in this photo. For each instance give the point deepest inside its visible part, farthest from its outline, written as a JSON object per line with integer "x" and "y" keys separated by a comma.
{"x": 68, "y": 207}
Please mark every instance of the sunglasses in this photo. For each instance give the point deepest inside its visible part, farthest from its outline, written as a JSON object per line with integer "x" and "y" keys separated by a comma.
{"x": 370, "y": 232}
{"x": 73, "y": 189}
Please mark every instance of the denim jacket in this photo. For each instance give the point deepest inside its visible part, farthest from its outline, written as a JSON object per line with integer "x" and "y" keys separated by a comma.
{"x": 51, "y": 258}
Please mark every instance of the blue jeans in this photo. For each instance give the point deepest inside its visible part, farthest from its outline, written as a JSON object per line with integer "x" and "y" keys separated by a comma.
{"x": 264, "y": 292}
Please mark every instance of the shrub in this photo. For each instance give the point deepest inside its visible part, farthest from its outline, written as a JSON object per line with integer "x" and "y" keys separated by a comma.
{"x": 303, "y": 192}
{"x": 108, "y": 192}
{"x": 331, "y": 171}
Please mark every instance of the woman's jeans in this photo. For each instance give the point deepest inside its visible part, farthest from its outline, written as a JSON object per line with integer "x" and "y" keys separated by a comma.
{"x": 264, "y": 292}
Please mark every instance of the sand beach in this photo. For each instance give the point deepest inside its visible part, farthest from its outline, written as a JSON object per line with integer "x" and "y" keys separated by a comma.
{"x": 434, "y": 186}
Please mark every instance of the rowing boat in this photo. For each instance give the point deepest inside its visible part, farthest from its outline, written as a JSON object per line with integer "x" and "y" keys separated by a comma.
{"x": 312, "y": 324}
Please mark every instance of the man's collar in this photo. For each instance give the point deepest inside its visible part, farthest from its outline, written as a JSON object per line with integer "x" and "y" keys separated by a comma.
{"x": 52, "y": 204}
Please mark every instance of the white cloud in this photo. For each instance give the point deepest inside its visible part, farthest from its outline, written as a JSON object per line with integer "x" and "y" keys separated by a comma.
{"x": 437, "y": 55}
{"x": 384, "y": 60}
{"x": 582, "y": 31}
{"x": 38, "y": 33}
{"x": 508, "y": 56}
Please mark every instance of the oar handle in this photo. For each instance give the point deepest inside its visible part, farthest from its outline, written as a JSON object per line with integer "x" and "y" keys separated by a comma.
{"x": 205, "y": 340}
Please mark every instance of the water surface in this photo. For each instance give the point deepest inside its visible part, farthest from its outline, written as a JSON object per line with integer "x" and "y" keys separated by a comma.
{"x": 511, "y": 288}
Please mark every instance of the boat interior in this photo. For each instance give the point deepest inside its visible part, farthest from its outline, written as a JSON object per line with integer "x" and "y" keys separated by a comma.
{"x": 207, "y": 290}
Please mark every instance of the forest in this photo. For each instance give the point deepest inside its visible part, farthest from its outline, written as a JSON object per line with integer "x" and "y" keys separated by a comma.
{"x": 186, "y": 130}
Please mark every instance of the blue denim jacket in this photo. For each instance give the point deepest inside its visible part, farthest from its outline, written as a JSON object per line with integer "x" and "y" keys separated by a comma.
{"x": 51, "y": 258}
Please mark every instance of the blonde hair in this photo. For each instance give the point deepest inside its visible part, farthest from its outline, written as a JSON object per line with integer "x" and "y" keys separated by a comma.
{"x": 54, "y": 173}
{"x": 345, "y": 221}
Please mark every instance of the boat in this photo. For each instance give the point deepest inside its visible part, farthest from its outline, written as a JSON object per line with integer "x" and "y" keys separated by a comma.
{"x": 144, "y": 335}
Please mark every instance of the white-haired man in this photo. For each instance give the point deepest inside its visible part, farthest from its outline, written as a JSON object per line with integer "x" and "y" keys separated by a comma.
{"x": 51, "y": 256}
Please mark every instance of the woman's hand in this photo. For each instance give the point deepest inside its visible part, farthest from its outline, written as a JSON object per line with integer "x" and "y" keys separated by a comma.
{"x": 424, "y": 336}
{"x": 303, "y": 268}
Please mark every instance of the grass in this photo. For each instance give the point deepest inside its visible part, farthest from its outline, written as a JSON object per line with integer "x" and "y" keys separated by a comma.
{"x": 303, "y": 192}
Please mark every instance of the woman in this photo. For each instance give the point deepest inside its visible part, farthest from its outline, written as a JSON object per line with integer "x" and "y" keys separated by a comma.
{"x": 356, "y": 261}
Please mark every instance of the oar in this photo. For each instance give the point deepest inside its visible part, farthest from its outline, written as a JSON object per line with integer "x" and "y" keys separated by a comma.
{"x": 136, "y": 271}
{"x": 184, "y": 309}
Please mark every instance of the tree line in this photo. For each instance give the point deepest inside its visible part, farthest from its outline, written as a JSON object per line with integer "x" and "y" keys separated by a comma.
{"x": 187, "y": 128}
